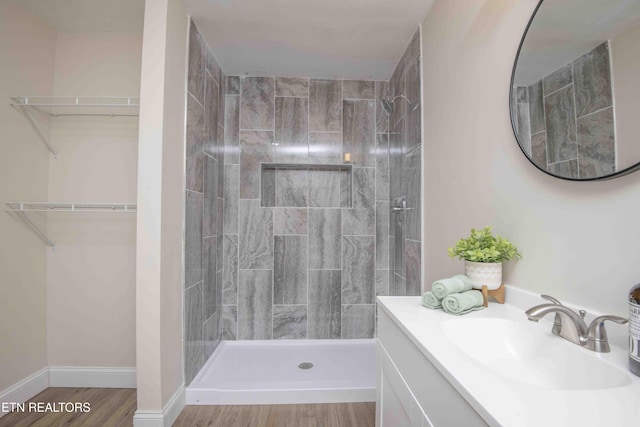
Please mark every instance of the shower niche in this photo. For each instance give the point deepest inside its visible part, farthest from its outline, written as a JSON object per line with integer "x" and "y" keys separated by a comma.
{"x": 306, "y": 185}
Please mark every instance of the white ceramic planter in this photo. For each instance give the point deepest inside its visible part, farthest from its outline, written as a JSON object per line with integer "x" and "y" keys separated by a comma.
{"x": 484, "y": 273}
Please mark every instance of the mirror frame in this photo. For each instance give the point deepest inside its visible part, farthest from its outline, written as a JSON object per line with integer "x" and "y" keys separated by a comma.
{"x": 623, "y": 172}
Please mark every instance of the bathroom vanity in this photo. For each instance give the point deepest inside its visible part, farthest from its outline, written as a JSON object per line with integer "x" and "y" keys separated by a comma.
{"x": 494, "y": 367}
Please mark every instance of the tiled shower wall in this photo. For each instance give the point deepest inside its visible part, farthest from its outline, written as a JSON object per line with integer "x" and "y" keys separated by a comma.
{"x": 309, "y": 261}
{"x": 569, "y": 130}
{"x": 405, "y": 154}
{"x": 203, "y": 205}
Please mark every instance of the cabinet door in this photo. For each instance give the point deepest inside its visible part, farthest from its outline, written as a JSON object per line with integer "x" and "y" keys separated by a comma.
{"x": 394, "y": 407}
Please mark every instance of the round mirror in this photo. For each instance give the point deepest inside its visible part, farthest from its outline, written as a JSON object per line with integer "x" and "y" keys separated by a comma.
{"x": 575, "y": 89}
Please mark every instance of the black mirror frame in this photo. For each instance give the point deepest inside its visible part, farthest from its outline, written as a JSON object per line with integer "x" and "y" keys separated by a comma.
{"x": 512, "y": 109}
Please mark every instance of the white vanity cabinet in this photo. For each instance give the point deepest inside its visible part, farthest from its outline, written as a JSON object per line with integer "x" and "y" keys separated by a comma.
{"x": 410, "y": 390}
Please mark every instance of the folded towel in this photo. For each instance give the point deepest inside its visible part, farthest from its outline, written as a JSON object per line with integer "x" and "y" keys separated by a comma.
{"x": 429, "y": 300}
{"x": 463, "y": 303}
{"x": 443, "y": 287}
{"x": 465, "y": 279}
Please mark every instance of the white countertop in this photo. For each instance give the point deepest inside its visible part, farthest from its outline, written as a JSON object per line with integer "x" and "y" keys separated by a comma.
{"x": 503, "y": 401}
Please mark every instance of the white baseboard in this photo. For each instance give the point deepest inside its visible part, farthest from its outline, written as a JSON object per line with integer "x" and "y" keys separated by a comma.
{"x": 167, "y": 417}
{"x": 25, "y": 389}
{"x": 72, "y": 376}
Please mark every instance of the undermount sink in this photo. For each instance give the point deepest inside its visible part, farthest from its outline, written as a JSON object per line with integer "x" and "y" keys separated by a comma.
{"x": 526, "y": 354}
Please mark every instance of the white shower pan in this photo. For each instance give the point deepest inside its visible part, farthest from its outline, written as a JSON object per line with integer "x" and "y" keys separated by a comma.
{"x": 278, "y": 371}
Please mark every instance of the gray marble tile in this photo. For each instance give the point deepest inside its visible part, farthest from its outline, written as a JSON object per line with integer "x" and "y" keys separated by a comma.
{"x": 382, "y": 282}
{"x": 561, "y": 125}
{"x": 361, "y": 219}
{"x": 229, "y": 322}
{"x": 392, "y": 241}
{"x": 325, "y": 227}
{"x": 210, "y": 197}
{"x": 413, "y": 135}
{"x": 268, "y": 188}
{"x": 539, "y": 149}
{"x": 412, "y": 85}
{"x": 413, "y": 48}
{"x": 324, "y": 317}
{"x": 232, "y": 130}
{"x": 291, "y": 188}
{"x": 255, "y": 241}
{"x": 212, "y": 65}
{"x": 567, "y": 169}
{"x": 232, "y": 85}
{"x": 289, "y": 322}
{"x": 325, "y": 147}
{"x": 524, "y": 127}
{"x": 358, "y": 269}
{"x": 221, "y": 104}
{"x": 211, "y": 117}
{"x": 414, "y": 263}
{"x": 396, "y": 159}
{"x": 358, "y": 321}
{"x": 557, "y": 80}
{"x": 382, "y": 120}
{"x": 193, "y": 239}
{"x": 324, "y": 188}
{"x": 596, "y": 144}
{"x": 382, "y": 234}
{"x": 255, "y": 294}
{"x": 358, "y": 89}
{"x": 396, "y": 88}
{"x": 287, "y": 221}
{"x": 398, "y": 287}
{"x": 398, "y": 260}
{"x": 592, "y": 79}
{"x": 364, "y": 181}
{"x": 359, "y": 135}
{"x": 325, "y": 105}
{"x": 194, "y": 145}
{"x": 231, "y": 194}
{"x": 536, "y": 108}
{"x": 346, "y": 189}
{"x": 290, "y": 270}
{"x": 292, "y": 130}
{"x": 359, "y": 222}
{"x": 522, "y": 94}
{"x": 413, "y": 180}
{"x": 255, "y": 147}
{"x": 220, "y": 231}
{"x": 193, "y": 348}
{"x": 211, "y": 335}
{"x": 197, "y": 59}
{"x": 292, "y": 86}
{"x": 210, "y": 284}
{"x": 382, "y": 167}
{"x": 257, "y": 103}
{"x": 230, "y": 269}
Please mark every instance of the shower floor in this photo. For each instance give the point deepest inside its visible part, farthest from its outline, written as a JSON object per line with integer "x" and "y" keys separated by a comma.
{"x": 268, "y": 372}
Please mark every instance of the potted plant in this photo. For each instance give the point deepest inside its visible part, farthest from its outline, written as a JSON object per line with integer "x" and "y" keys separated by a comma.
{"x": 484, "y": 254}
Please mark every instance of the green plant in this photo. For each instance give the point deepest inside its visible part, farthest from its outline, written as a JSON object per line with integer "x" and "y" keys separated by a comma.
{"x": 483, "y": 246}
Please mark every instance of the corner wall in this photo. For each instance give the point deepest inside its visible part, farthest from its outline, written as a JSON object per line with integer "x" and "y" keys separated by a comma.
{"x": 579, "y": 240}
{"x": 27, "y": 49}
{"x": 159, "y": 246}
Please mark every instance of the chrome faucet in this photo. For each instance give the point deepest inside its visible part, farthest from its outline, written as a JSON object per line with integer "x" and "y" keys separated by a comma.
{"x": 572, "y": 326}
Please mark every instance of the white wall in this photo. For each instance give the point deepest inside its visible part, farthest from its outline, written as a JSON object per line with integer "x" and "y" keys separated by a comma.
{"x": 27, "y": 49}
{"x": 91, "y": 274}
{"x": 159, "y": 277}
{"x": 625, "y": 66}
{"x": 580, "y": 241}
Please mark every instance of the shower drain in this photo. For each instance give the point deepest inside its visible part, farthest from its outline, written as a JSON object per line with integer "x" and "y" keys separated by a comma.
{"x": 305, "y": 365}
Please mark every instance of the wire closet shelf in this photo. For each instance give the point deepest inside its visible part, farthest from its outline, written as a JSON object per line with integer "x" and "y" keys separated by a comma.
{"x": 80, "y": 105}
{"x": 70, "y": 207}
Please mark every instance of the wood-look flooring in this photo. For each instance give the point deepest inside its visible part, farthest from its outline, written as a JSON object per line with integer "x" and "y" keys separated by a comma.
{"x": 115, "y": 407}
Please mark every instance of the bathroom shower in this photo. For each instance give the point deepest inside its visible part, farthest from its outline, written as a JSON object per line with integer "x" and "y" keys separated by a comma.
{"x": 387, "y": 105}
